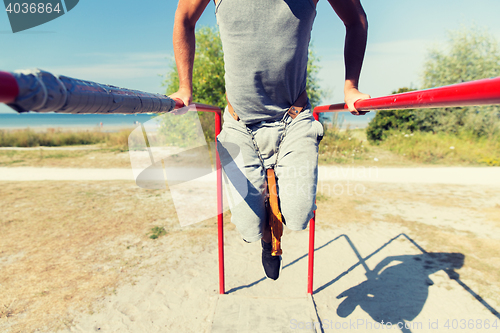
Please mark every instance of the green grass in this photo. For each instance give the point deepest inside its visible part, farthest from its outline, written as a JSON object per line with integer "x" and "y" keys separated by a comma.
{"x": 56, "y": 137}
{"x": 12, "y": 157}
{"x": 405, "y": 148}
{"x": 157, "y": 232}
{"x": 94, "y": 157}
{"x": 342, "y": 146}
{"x": 337, "y": 147}
{"x": 443, "y": 148}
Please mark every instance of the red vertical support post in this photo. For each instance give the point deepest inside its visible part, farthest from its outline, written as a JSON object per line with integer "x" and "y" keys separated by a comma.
{"x": 220, "y": 218}
{"x": 312, "y": 225}
{"x": 310, "y": 270}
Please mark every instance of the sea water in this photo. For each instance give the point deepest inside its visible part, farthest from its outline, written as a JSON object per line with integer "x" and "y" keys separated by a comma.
{"x": 115, "y": 122}
{"x": 40, "y": 121}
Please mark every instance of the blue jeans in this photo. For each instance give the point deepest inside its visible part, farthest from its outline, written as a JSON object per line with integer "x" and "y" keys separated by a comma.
{"x": 296, "y": 170}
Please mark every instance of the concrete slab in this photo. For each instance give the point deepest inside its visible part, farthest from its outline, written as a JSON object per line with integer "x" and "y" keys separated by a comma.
{"x": 385, "y": 281}
{"x": 244, "y": 314}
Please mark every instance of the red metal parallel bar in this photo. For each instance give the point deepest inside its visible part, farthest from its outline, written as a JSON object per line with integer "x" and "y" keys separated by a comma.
{"x": 9, "y": 89}
{"x": 478, "y": 92}
{"x": 220, "y": 221}
{"x": 310, "y": 265}
{"x": 200, "y": 107}
{"x": 220, "y": 217}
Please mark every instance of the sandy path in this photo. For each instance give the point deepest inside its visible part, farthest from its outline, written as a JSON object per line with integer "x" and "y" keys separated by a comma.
{"x": 365, "y": 273}
{"x": 396, "y": 279}
{"x": 450, "y": 175}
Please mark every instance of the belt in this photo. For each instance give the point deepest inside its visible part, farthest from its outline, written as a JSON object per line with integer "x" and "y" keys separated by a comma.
{"x": 275, "y": 219}
{"x": 293, "y": 111}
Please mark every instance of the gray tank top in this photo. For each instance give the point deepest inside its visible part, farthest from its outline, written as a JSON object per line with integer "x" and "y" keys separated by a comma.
{"x": 265, "y": 45}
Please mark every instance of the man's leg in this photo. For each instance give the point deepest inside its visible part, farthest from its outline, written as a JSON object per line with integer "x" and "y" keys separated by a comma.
{"x": 297, "y": 170}
{"x": 249, "y": 215}
{"x": 245, "y": 179}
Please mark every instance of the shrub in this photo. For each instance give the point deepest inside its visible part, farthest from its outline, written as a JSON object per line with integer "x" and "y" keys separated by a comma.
{"x": 340, "y": 146}
{"x": 390, "y": 120}
{"x": 56, "y": 137}
{"x": 447, "y": 148}
{"x": 470, "y": 54}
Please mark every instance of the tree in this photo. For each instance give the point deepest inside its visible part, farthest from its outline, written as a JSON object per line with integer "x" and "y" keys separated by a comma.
{"x": 314, "y": 92}
{"x": 208, "y": 76}
{"x": 388, "y": 120}
{"x": 471, "y": 54}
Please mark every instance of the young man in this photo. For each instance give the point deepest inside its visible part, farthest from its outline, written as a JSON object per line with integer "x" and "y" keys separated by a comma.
{"x": 268, "y": 118}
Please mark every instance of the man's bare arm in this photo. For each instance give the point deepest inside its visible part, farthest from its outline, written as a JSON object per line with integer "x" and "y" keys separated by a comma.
{"x": 187, "y": 14}
{"x": 352, "y": 14}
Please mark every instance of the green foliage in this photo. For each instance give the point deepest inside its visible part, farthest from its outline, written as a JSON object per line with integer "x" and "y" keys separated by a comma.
{"x": 321, "y": 197}
{"x": 30, "y": 138}
{"x": 340, "y": 146}
{"x": 56, "y": 137}
{"x": 52, "y": 137}
{"x": 314, "y": 92}
{"x": 208, "y": 77}
{"x": 157, "y": 232}
{"x": 490, "y": 161}
{"x": 179, "y": 131}
{"x": 471, "y": 54}
{"x": 118, "y": 140}
{"x": 208, "y": 70}
{"x": 444, "y": 148}
{"x": 389, "y": 120}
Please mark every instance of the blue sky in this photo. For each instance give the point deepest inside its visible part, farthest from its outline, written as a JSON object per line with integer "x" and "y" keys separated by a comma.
{"x": 129, "y": 43}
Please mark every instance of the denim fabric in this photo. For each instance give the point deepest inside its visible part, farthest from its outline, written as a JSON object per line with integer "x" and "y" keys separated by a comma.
{"x": 296, "y": 170}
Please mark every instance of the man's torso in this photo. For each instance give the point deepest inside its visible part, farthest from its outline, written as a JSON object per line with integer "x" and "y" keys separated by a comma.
{"x": 265, "y": 52}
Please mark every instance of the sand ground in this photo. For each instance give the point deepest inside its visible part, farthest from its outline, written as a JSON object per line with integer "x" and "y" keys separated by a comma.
{"x": 421, "y": 252}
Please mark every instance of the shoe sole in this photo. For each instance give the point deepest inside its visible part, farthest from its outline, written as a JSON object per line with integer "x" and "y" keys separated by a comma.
{"x": 281, "y": 268}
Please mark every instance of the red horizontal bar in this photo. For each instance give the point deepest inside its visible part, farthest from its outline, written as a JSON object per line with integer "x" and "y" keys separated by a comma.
{"x": 199, "y": 107}
{"x": 207, "y": 108}
{"x": 8, "y": 88}
{"x": 479, "y": 92}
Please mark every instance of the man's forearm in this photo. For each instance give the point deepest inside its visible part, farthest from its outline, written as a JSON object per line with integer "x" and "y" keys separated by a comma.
{"x": 354, "y": 51}
{"x": 184, "y": 50}
{"x": 187, "y": 14}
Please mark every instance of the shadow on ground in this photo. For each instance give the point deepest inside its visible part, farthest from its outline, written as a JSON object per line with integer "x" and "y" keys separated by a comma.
{"x": 394, "y": 278}
{"x": 381, "y": 294}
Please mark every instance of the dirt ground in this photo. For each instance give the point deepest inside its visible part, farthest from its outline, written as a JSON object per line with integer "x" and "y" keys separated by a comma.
{"x": 77, "y": 256}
